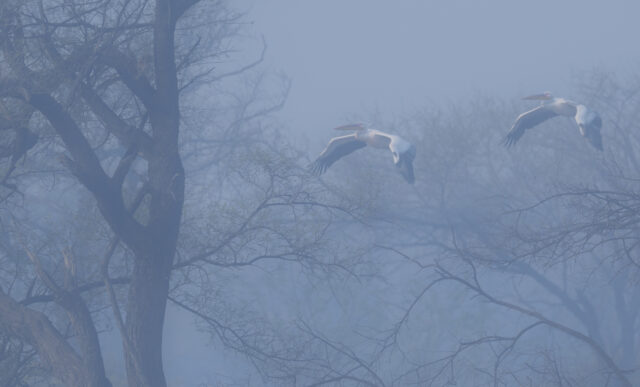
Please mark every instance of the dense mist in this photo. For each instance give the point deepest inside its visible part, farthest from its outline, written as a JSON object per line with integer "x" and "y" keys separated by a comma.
{"x": 175, "y": 210}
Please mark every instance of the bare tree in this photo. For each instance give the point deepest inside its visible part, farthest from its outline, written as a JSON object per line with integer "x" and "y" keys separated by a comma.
{"x": 114, "y": 70}
{"x": 115, "y": 94}
{"x": 516, "y": 267}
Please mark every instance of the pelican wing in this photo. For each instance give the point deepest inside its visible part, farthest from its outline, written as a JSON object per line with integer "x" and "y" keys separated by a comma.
{"x": 350, "y": 127}
{"x": 405, "y": 164}
{"x": 338, "y": 147}
{"x": 526, "y": 121}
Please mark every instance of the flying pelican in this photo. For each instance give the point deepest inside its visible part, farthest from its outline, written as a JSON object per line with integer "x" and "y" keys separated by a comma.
{"x": 588, "y": 121}
{"x": 402, "y": 150}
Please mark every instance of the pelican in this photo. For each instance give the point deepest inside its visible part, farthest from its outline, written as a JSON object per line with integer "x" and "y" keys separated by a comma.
{"x": 402, "y": 150}
{"x": 588, "y": 121}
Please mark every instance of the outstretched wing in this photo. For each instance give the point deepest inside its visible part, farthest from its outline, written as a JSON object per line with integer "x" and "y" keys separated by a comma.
{"x": 350, "y": 127}
{"x": 405, "y": 164}
{"x": 589, "y": 123}
{"x": 592, "y": 133}
{"x": 527, "y": 120}
{"x": 338, "y": 147}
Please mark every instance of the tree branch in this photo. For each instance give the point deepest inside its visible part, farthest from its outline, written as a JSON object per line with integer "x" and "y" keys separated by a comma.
{"x": 129, "y": 74}
{"x": 53, "y": 349}
{"x": 86, "y": 166}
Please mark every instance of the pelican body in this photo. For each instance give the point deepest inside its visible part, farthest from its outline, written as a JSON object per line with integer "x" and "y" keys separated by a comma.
{"x": 589, "y": 122}
{"x": 403, "y": 151}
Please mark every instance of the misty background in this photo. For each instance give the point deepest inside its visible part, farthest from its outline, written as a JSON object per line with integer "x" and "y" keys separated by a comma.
{"x": 352, "y": 58}
{"x": 498, "y": 267}
{"x": 362, "y": 60}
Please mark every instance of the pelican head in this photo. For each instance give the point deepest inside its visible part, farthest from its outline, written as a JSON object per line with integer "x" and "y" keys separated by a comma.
{"x": 540, "y": 97}
{"x": 350, "y": 127}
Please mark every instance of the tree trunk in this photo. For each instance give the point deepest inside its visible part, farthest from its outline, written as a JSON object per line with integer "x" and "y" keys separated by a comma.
{"x": 150, "y": 282}
{"x": 53, "y": 349}
{"x": 153, "y": 244}
{"x": 145, "y": 319}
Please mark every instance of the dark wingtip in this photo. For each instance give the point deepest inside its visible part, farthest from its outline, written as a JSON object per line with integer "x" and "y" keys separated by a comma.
{"x": 410, "y": 177}
{"x": 405, "y": 167}
{"x": 316, "y": 168}
{"x": 508, "y": 142}
{"x": 354, "y": 126}
{"x": 599, "y": 147}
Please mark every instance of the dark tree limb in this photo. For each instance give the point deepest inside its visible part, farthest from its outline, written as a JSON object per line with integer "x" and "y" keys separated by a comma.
{"x": 180, "y": 7}
{"x": 82, "y": 323}
{"x": 34, "y": 328}
{"x": 86, "y": 166}
{"x": 127, "y": 134}
{"x": 475, "y": 286}
{"x": 127, "y": 69}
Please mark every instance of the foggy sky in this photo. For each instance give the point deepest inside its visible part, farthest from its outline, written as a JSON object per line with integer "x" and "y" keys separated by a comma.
{"x": 347, "y": 58}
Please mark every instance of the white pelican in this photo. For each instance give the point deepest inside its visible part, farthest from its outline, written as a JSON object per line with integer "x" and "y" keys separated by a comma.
{"x": 588, "y": 121}
{"x": 402, "y": 150}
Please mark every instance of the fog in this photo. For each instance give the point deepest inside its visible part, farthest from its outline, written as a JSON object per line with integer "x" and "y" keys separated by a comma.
{"x": 351, "y": 58}
{"x": 168, "y": 218}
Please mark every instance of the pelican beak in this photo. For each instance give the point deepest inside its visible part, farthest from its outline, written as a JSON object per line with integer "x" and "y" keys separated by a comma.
{"x": 350, "y": 127}
{"x": 539, "y": 97}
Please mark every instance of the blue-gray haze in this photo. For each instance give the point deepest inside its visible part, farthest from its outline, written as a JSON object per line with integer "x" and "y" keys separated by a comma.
{"x": 375, "y": 59}
{"x": 359, "y": 277}
{"x": 351, "y": 57}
